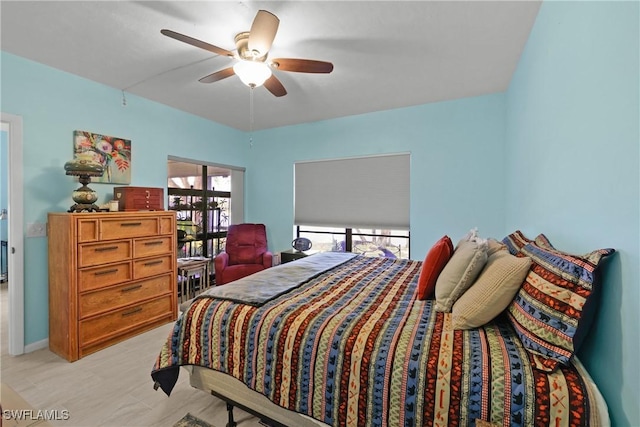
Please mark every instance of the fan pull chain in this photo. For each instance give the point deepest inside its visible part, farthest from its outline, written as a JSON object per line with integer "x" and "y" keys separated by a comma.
{"x": 251, "y": 116}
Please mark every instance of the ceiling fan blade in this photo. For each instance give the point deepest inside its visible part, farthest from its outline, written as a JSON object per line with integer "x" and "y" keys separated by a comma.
{"x": 197, "y": 43}
{"x": 218, "y": 75}
{"x": 263, "y": 31}
{"x": 274, "y": 86}
{"x": 302, "y": 65}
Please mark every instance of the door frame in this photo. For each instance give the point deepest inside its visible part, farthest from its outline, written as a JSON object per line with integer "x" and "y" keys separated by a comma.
{"x": 15, "y": 251}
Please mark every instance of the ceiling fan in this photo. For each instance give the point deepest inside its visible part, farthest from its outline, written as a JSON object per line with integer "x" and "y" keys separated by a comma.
{"x": 252, "y": 49}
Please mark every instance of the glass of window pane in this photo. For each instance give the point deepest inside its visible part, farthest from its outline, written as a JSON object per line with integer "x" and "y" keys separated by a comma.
{"x": 380, "y": 243}
{"x": 325, "y": 239}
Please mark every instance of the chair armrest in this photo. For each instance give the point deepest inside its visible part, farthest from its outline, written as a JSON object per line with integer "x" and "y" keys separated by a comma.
{"x": 221, "y": 261}
{"x": 267, "y": 259}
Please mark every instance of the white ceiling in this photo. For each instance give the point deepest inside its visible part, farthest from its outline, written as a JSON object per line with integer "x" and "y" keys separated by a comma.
{"x": 386, "y": 54}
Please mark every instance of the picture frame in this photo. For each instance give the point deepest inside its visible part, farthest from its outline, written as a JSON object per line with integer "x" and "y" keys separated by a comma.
{"x": 112, "y": 152}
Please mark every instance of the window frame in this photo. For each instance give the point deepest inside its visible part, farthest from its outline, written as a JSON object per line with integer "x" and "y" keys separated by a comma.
{"x": 348, "y": 233}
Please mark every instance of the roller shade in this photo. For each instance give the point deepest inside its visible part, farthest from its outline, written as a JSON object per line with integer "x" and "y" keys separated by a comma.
{"x": 362, "y": 192}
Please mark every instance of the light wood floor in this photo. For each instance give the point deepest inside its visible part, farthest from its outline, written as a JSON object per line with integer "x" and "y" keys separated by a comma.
{"x": 112, "y": 387}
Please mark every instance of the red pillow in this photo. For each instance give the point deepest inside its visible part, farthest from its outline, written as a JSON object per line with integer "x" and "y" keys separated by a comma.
{"x": 433, "y": 264}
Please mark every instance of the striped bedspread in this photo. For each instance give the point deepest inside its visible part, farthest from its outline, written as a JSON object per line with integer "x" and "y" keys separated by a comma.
{"x": 353, "y": 347}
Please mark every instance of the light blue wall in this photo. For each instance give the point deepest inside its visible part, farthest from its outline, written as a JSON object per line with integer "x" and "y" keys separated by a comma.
{"x": 572, "y": 139}
{"x": 53, "y": 104}
{"x": 457, "y": 166}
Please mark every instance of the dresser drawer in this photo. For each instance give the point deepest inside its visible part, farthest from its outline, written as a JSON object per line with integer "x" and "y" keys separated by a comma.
{"x": 102, "y": 253}
{"x": 104, "y": 300}
{"x": 122, "y": 228}
{"x": 153, "y": 246}
{"x": 152, "y": 266}
{"x": 168, "y": 224}
{"x": 99, "y": 277}
{"x": 87, "y": 230}
{"x": 102, "y": 327}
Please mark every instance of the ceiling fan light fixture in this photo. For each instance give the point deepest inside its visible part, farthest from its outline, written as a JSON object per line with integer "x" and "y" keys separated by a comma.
{"x": 252, "y": 73}
{"x": 252, "y": 49}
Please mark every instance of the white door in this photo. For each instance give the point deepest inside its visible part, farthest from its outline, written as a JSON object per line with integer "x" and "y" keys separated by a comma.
{"x": 15, "y": 252}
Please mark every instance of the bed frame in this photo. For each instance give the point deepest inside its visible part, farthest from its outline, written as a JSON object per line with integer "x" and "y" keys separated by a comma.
{"x": 236, "y": 394}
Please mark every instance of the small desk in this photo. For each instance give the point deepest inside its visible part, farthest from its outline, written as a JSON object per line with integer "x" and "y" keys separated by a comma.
{"x": 193, "y": 275}
{"x": 292, "y": 255}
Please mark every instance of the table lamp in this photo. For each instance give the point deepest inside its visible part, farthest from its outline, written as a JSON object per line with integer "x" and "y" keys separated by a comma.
{"x": 84, "y": 168}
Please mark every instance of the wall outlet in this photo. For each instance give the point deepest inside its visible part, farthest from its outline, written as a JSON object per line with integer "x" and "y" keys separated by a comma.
{"x": 37, "y": 229}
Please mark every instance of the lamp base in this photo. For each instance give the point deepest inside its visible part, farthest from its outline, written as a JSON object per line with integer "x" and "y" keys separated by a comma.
{"x": 84, "y": 197}
{"x": 84, "y": 207}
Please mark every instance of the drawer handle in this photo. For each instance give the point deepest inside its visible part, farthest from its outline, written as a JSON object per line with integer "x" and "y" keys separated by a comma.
{"x": 103, "y": 272}
{"x": 148, "y": 193}
{"x": 131, "y": 288}
{"x": 153, "y": 262}
{"x": 130, "y": 312}
{"x": 106, "y": 248}
{"x": 157, "y": 242}
{"x": 130, "y": 224}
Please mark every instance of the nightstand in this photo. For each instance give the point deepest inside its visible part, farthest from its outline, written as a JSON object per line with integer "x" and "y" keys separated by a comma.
{"x": 292, "y": 255}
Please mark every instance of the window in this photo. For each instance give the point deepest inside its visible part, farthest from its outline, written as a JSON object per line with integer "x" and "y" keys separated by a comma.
{"x": 356, "y": 204}
{"x": 368, "y": 242}
{"x": 201, "y": 195}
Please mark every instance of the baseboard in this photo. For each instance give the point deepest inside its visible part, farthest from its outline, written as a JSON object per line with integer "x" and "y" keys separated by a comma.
{"x": 38, "y": 345}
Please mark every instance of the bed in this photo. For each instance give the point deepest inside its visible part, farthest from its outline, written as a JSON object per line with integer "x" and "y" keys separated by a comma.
{"x": 342, "y": 340}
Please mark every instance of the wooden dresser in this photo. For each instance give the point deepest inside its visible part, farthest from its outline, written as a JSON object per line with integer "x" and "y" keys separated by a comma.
{"x": 112, "y": 275}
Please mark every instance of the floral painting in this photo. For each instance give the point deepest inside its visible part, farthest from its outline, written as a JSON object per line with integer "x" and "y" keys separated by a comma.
{"x": 113, "y": 153}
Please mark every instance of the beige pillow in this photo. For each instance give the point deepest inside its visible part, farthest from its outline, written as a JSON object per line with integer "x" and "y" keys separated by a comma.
{"x": 492, "y": 292}
{"x": 461, "y": 271}
{"x": 495, "y": 246}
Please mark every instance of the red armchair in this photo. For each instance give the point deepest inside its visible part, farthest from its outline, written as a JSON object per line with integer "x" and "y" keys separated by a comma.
{"x": 245, "y": 253}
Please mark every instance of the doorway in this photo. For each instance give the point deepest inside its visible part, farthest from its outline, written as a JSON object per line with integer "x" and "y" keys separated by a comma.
{"x": 11, "y": 128}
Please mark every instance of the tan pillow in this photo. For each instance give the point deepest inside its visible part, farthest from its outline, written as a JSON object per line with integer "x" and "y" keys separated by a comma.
{"x": 495, "y": 246}
{"x": 460, "y": 272}
{"x": 492, "y": 292}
